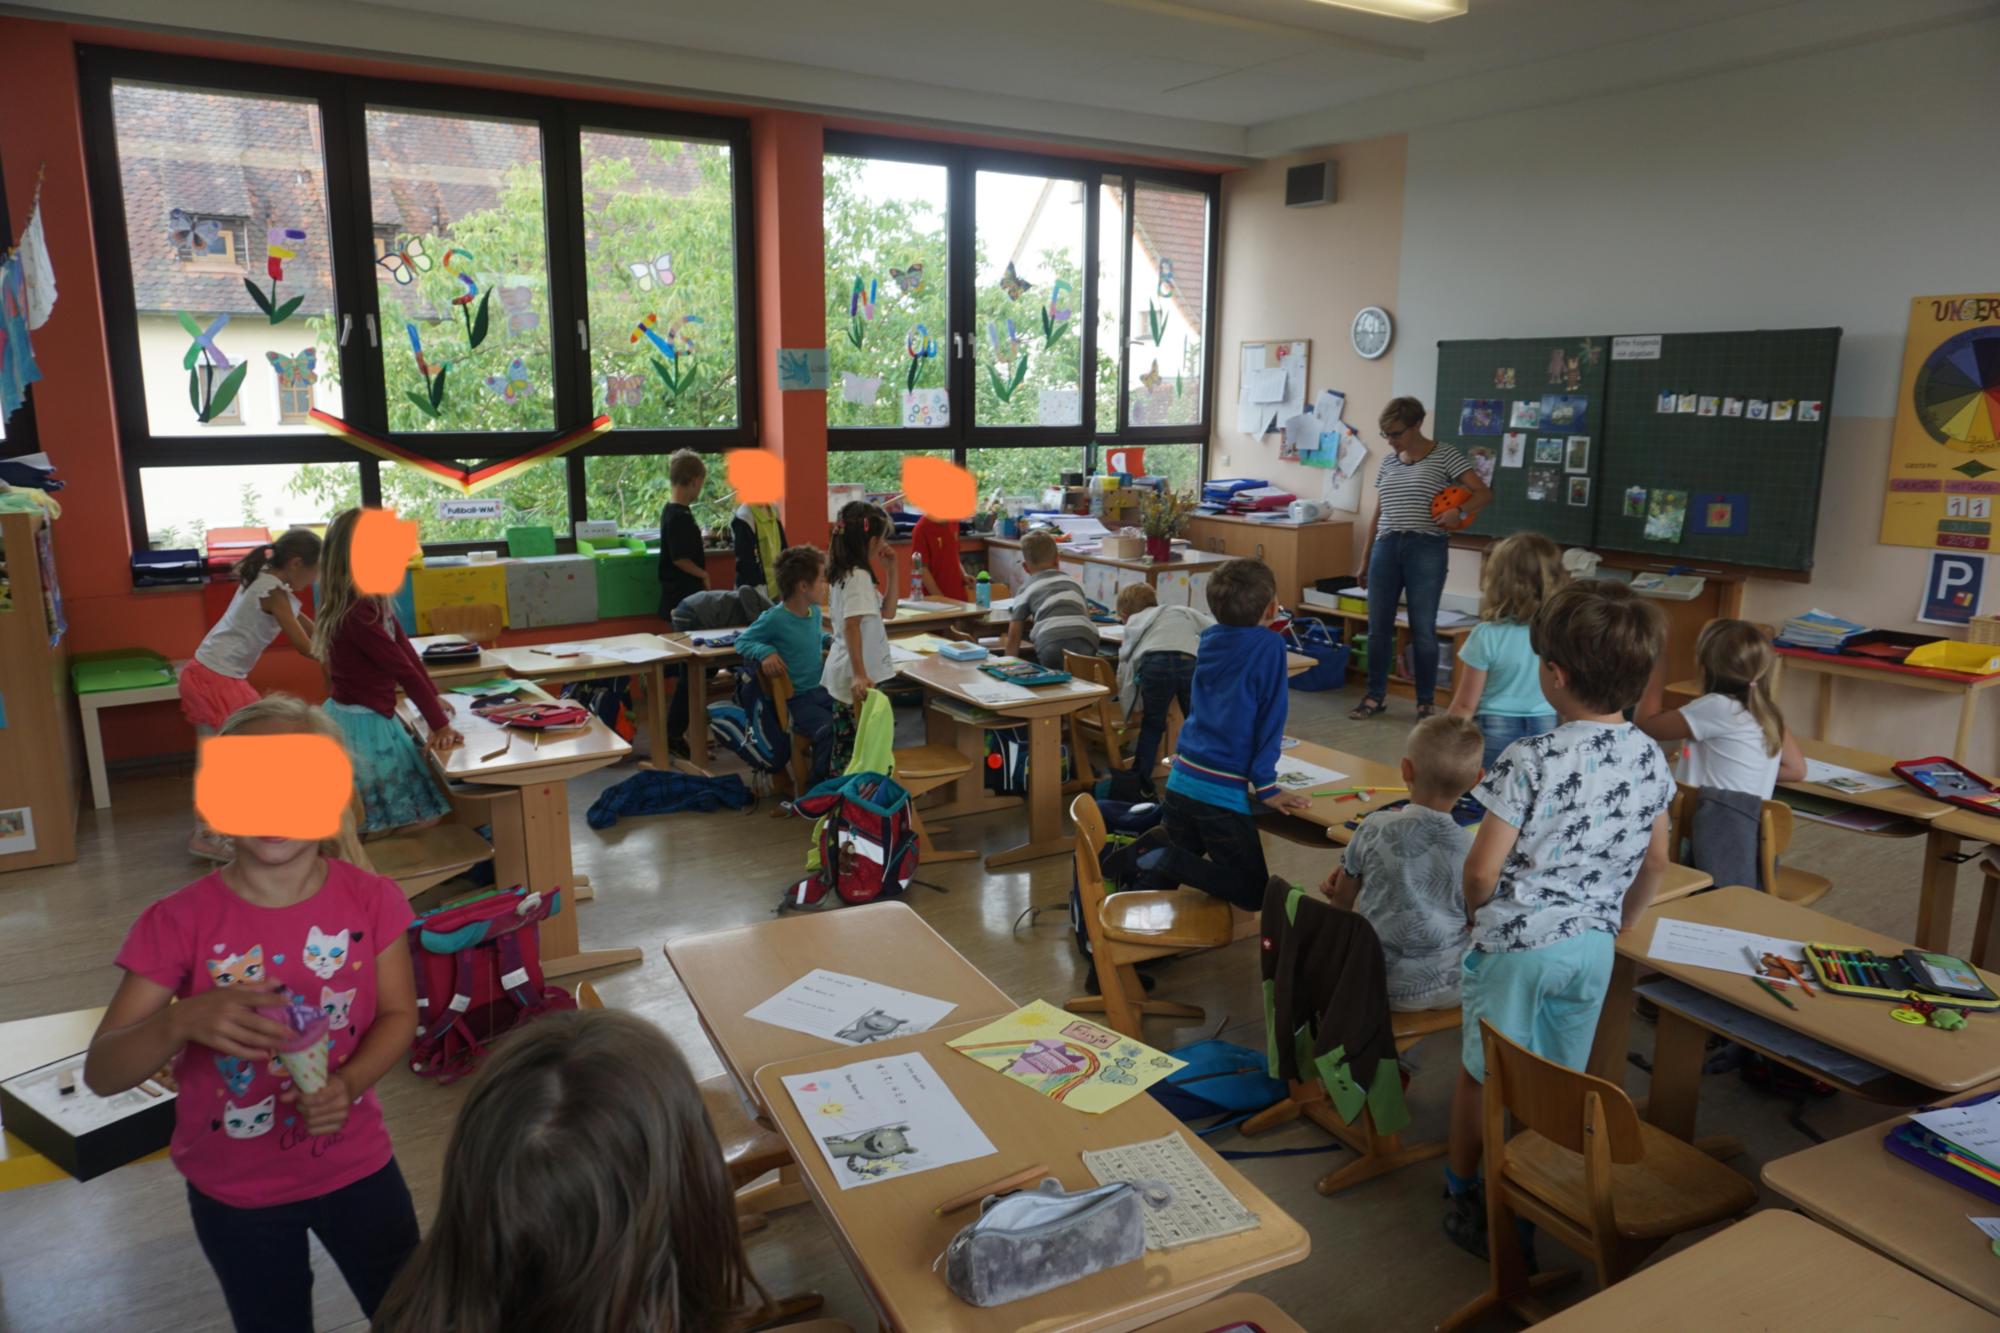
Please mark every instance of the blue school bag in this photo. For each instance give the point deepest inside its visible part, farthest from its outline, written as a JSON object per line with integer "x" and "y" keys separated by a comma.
{"x": 747, "y": 725}
{"x": 1221, "y": 1082}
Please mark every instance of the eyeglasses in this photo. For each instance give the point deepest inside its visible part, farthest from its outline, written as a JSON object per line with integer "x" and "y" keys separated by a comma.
{"x": 1395, "y": 434}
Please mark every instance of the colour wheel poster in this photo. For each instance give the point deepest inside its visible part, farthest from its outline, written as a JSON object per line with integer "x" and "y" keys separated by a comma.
{"x": 1944, "y": 459}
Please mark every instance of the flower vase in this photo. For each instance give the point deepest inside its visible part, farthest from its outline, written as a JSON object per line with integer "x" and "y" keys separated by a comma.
{"x": 1159, "y": 548}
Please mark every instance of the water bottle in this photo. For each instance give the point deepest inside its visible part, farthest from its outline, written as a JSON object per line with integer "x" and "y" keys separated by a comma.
{"x": 916, "y": 575}
{"x": 982, "y": 590}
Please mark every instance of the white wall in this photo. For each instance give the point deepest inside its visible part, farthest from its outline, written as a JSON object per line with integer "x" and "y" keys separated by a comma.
{"x": 1826, "y": 190}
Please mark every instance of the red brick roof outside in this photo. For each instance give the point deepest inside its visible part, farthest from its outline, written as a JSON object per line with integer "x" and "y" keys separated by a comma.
{"x": 1173, "y": 224}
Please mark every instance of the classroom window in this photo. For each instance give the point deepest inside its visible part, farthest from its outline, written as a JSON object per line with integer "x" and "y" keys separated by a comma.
{"x": 1108, "y": 299}
{"x": 632, "y": 489}
{"x": 1029, "y": 233}
{"x": 183, "y": 503}
{"x": 888, "y": 334}
{"x": 880, "y": 470}
{"x": 1020, "y": 471}
{"x": 537, "y": 496}
{"x": 1168, "y": 320}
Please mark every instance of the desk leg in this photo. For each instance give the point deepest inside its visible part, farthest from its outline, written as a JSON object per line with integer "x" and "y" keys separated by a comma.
{"x": 697, "y": 686}
{"x": 545, "y": 820}
{"x": 1614, "y": 1025}
{"x": 1045, "y": 820}
{"x": 967, "y": 795}
{"x": 656, "y": 715}
{"x": 1968, "y": 706}
{"x": 93, "y": 751}
{"x": 1677, "y": 1058}
{"x": 1825, "y": 704}
{"x": 1940, "y": 887}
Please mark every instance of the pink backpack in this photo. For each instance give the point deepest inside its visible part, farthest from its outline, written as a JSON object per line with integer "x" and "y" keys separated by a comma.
{"x": 478, "y": 964}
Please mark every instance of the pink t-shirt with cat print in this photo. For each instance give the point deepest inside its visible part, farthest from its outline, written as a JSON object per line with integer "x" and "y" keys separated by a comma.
{"x": 233, "y": 1139}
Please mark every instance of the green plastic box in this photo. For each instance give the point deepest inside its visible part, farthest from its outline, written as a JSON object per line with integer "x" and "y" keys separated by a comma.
{"x": 628, "y": 582}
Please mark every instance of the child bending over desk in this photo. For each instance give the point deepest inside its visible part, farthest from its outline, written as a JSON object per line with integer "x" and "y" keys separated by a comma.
{"x": 1155, "y": 669}
{"x": 1054, "y": 602}
{"x": 1405, "y": 868}
{"x": 1571, "y": 849}
{"x": 1736, "y": 736}
{"x": 785, "y": 641}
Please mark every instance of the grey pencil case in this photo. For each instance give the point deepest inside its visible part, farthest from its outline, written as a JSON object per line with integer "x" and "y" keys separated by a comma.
{"x": 1038, "y": 1239}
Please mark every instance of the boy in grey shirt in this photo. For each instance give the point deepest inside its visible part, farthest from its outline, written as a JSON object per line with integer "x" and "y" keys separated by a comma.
{"x": 1055, "y": 603}
{"x": 1405, "y": 868}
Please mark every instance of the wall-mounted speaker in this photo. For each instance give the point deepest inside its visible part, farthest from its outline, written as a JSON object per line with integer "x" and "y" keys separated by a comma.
{"x": 1310, "y": 185}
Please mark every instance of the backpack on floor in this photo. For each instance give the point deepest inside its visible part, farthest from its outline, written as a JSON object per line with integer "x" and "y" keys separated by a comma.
{"x": 1123, "y": 823}
{"x": 1007, "y": 761}
{"x": 478, "y": 966}
{"x": 747, "y": 725}
{"x": 609, "y": 698}
{"x": 1222, "y": 1083}
{"x": 867, "y": 849}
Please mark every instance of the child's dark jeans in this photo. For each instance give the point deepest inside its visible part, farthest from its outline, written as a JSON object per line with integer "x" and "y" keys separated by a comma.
{"x": 1163, "y": 679}
{"x": 1211, "y": 849}
{"x": 812, "y": 718}
{"x": 264, "y": 1262}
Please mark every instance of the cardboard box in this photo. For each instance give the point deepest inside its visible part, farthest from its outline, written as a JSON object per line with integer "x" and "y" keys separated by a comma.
{"x": 457, "y": 585}
{"x": 1122, "y": 548}
{"x": 551, "y": 590}
{"x": 84, "y": 1134}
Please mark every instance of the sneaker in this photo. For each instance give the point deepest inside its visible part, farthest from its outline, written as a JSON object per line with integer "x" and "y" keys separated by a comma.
{"x": 1121, "y": 866}
{"x": 1465, "y": 1220}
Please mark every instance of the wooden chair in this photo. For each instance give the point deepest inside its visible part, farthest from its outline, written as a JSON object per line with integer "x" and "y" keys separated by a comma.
{"x": 1985, "y": 940}
{"x": 800, "y": 768}
{"x": 1099, "y": 720}
{"x": 1375, "y": 1153}
{"x": 921, "y": 770}
{"x": 1129, "y": 928}
{"x": 749, "y": 1151}
{"x": 1774, "y": 835}
{"x": 1587, "y": 1170}
{"x": 480, "y": 622}
{"x": 421, "y": 859}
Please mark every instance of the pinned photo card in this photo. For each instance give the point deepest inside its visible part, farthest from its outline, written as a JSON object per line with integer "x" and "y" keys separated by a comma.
{"x": 1719, "y": 513}
{"x": 1481, "y": 416}
{"x": 1503, "y": 378}
{"x": 1635, "y": 502}
{"x": 1708, "y": 406}
{"x": 1577, "y": 459}
{"x": 1543, "y": 483}
{"x": 1668, "y": 401}
{"x": 1579, "y": 491}
{"x": 1732, "y": 407}
{"x": 1781, "y": 409}
{"x": 1688, "y": 403}
{"x": 1513, "y": 449}
{"x": 1810, "y": 409}
{"x": 1666, "y": 515}
{"x": 1757, "y": 410}
{"x": 1563, "y": 412}
{"x": 1482, "y": 462}
{"x": 1526, "y": 416}
{"x": 1548, "y": 449}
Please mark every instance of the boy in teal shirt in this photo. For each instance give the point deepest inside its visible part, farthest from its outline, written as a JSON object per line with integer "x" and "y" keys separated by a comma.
{"x": 787, "y": 641}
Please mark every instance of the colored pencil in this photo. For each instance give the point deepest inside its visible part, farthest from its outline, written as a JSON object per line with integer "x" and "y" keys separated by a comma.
{"x": 1005, "y": 1185}
{"x": 1772, "y": 991}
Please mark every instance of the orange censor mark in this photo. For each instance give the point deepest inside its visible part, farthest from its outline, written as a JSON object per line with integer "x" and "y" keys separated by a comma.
{"x": 289, "y": 786}
{"x": 383, "y": 545}
{"x": 940, "y": 488}
{"x": 757, "y": 476}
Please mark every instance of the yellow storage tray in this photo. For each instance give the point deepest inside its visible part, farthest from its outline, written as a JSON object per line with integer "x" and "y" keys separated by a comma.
{"x": 1975, "y": 659}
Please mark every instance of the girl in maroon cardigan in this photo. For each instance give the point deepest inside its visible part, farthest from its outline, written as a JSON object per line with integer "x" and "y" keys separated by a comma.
{"x": 367, "y": 655}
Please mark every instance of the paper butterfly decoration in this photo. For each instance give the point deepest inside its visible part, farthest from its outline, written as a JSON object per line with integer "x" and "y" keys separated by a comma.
{"x": 198, "y": 236}
{"x": 295, "y": 372}
{"x": 406, "y": 260}
{"x": 659, "y": 273}
{"x": 520, "y": 305}
{"x": 1166, "y": 288}
{"x": 1011, "y": 283}
{"x": 1151, "y": 379}
{"x": 909, "y": 280}
{"x": 514, "y": 386}
{"x": 624, "y": 390}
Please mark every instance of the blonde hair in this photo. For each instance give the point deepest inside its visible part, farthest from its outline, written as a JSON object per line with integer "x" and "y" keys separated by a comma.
{"x": 337, "y": 596}
{"x": 1736, "y": 661}
{"x": 685, "y": 467}
{"x": 286, "y": 715}
{"x": 1404, "y": 411}
{"x": 1134, "y": 598}
{"x": 1521, "y": 572}
{"x": 1445, "y": 752}
{"x": 1038, "y": 551}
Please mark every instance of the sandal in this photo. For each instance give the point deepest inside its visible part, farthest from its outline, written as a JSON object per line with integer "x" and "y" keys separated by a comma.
{"x": 1368, "y": 708}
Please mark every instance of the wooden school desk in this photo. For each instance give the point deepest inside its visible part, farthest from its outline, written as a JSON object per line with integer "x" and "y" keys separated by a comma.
{"x": 540, "y": 769}
{"x": 1861, "y": 1189}
{"x": 890, "y": 1236}
{"x": 479, "y": 668}
{"x": 1922, "y": 1063}
{"x": 929, "y": 619}
{"x": 1948, "y": 834}
{"x": 1043, "y": 715}
{"x": 1831, "y": 666}
{"x": 30, "y": 1043}
{"x": 528, "y": 662}
{"x": 700, "y": 660}
{"x": 728, "y": 972}
{"x": 1772, "y": 1270}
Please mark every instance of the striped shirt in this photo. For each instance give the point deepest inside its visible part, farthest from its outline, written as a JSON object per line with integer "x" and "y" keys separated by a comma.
{"x": 1406, "y": 489}
{"x": 1056, "y": 603}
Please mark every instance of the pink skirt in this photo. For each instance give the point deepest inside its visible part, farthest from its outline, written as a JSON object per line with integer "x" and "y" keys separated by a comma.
{"x": 208, "y": 697}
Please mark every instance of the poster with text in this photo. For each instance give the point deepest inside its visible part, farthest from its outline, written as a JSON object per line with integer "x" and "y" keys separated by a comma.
{"x": 1953, "y": 590}
{"x": 1944, "y": 457}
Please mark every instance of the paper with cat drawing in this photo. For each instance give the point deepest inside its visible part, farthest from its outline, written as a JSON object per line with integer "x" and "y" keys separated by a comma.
{"x": 880, "y": 1119}
{"x": 851, "y": 1010}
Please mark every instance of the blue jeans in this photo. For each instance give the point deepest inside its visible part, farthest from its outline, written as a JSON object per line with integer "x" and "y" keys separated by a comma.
{"x": 1163, "y": 679}
{"x": 812, "y": 718}
{"x": 1502, "y": 731}
{"x": 1399, "y": 563}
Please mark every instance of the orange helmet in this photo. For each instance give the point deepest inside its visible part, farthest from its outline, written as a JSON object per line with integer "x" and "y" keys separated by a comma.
{"x": 1448, "y": 499}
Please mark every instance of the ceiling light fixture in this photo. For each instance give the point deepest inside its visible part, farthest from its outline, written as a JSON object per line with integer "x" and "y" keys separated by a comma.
{"x": 1421, "y": 11}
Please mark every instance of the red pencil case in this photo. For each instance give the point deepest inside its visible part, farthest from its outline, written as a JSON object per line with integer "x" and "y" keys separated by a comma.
{"x": 1947, "y": 780}
{"x": 538, "y": 716}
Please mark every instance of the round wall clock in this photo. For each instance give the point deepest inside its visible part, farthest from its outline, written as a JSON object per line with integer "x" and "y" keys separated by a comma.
{"x": 1371, "y": 332}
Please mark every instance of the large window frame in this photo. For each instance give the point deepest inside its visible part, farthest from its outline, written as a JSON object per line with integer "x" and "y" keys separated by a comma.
{"x": 343, "y": 104}
{"x": 963, "y": 164}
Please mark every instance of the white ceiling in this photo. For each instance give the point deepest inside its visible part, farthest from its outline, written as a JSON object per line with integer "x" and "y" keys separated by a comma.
{"x": 1196, "y": 78}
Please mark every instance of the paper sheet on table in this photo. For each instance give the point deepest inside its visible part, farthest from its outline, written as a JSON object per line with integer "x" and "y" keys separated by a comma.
{"x": 1974, "y": 1128}
{"x": 1989, "y": 1225}
{"x": 850, "y": 1010}
{"x": 1202, "y": 1207}
{"x": 1298, "y": 775}
{"x": 1717, "y": 947}
{"x": 1083, "y": 1065}
{"x": 564, "y": 649}
{"x": 920, "y": 644}
{"x": 881, "y": 1119}
{"x": 631, "y": 653}
{"x": 1846, "y": 779}
{"x": 916, "y": 604}
{"x": 990, "y": 691}
{"x": 1079, "y": 527}
{"x": 902, "y": 654}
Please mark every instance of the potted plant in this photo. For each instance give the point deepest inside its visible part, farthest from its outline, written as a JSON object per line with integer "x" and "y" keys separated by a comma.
{"x": 1162, "y": 516}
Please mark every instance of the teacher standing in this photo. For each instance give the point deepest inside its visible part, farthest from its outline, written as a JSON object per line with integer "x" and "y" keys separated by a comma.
{"x": 1408, "y": 549}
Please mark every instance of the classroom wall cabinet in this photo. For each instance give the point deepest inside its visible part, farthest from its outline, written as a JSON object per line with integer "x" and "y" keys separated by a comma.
{"x": 41, "y": 748}
{"x": 1298, "y": 553}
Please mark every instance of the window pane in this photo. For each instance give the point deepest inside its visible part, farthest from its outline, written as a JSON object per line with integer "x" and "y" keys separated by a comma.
{"x": 631, "y": 490}
{"x": 1028, "y": 349}
{"x": 1180, "y": 464}
{"x": 457, "y": 209}
{"x": 225, "y": 215}
{"x": 1169, "y": 292}
{"x": 536, "y": 497}
{"x": 1110, "y": 300}
{"x": 885, "y": 234}
{"x": 880, "y": 470}
{"x": 183, "y": 503}
{"x": 659, "y": 235}
{"x": 1021, "y": 471}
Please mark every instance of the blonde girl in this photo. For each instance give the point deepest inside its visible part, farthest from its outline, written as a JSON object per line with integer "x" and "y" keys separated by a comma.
{"x": 1736, "y": 736}
{"x": 1499, "y": 676}
{"x": 367, "y": 656}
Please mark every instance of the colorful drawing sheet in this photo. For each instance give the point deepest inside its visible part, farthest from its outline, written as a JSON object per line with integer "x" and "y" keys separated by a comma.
{"x": 849, "y": 1010}
{"x": 1947, "y": 429}
{"x": 1067, "y": 1059}
{"x": 881, "y": 1119}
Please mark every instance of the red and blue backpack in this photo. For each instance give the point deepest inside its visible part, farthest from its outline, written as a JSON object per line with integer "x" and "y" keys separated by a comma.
{"x": 478, "y": 966}
{"x": 867, "y": 847}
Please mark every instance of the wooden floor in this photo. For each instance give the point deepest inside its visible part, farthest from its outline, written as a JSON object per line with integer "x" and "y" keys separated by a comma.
{"x": 118, "y": 1253}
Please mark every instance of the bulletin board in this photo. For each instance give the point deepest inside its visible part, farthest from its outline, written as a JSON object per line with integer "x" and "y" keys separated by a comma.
{"x": 1745, "y": 445}
{"x": 1519, "y": 374}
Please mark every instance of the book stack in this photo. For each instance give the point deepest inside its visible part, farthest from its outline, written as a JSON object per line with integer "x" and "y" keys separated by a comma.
{"x": 1821, "y": 631}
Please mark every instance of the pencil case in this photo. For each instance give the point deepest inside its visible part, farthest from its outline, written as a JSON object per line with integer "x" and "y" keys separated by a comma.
{"x": 1039, "y": 1239}
{"x": 1934, "y": 977}
{"x": 451, "y": 650}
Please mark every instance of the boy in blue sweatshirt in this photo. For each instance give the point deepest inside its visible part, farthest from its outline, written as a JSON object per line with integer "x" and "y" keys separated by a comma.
{"x": 787, "y": 641}
{"x": 1226, "y": 770}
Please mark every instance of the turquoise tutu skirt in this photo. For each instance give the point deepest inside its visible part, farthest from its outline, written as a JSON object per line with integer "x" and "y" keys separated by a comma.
{"x": 390, "y": 771}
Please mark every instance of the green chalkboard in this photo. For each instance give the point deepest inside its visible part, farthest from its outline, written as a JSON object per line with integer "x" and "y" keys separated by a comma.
{"x": 1752, "y": 482}
{"x": 1513, "y": 372}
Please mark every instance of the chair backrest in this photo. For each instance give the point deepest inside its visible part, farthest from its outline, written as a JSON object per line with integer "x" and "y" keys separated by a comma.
{"x": 1680, "y": 819}
{"x": 780, "y": 690}
{"x": 1089, "y": 821}
{"x": 587, "y": 996}
{"x": 998, "y": 591}
{"x": 1552, "y": 1100}
{"x": 477, "y": 621}
{"x": 1097, "y": 671}
{"x": 1774, "y": 835}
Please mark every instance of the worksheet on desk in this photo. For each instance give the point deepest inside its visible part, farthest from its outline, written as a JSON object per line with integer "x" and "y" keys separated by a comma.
{"x": 631, "y": 653}
{"x": 1298, "y": 775}
{"x": 881, "y": 1119}
{"x": 851, "y": 1010}
{"x": 1849, "y": 780}
{"x": 991, "y": 691}
{"x": 1717, "y": 947}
